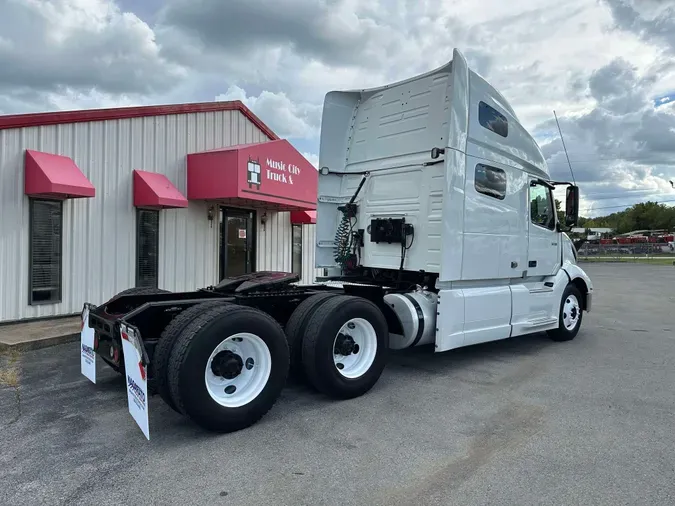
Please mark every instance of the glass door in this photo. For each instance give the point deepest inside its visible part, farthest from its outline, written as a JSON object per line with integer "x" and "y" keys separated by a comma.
{"x": 237, "y": 251}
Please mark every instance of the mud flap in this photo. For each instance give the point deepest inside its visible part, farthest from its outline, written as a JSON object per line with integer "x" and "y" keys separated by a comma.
{"x": 87, "y": 354}
{"x": 136, "y": 370}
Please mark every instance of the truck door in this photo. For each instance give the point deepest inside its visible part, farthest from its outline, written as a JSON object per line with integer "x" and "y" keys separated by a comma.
{"x": 544, "y": 241}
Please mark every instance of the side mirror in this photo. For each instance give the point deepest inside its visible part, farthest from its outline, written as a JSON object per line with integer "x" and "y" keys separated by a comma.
{"x": 572, "y": 206}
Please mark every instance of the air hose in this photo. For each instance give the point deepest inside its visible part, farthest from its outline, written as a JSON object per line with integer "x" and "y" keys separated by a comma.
{"x": 344, "y": 236}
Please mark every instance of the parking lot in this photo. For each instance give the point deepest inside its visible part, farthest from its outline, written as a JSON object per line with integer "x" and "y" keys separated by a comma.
{"x": 518, "y": 422}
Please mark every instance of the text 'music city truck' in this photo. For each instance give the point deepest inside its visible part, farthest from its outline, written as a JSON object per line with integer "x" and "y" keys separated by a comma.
{"x": 437, "y": 224}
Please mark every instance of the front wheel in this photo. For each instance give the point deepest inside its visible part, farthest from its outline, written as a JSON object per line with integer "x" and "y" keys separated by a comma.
{"x": 570, "y": 315}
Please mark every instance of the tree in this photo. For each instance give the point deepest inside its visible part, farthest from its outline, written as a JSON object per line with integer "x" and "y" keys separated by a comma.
{"x": 643, "y": 216}
{"x": 559, "y": 212}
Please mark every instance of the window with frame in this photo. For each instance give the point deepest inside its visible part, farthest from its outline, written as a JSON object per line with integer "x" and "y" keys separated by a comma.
{"x": 46, "y": 251}
{"x": 542, "y": 212}
{"x": 490, "y": 181}
{"x": 297, "y": 250}
{"x": 147, "y": 248}
{"x": 492, "y": 119}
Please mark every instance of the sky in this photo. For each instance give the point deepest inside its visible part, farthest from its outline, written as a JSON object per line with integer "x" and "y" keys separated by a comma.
{"x": 607, "y": 68}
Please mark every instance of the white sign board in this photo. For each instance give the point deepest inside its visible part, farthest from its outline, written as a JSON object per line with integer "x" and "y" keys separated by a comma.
{"x": 87, "y": 354}
{"x": 137, "y": 378}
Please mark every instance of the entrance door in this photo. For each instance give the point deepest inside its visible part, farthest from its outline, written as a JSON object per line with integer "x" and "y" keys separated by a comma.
{"x": 236, "y": 242}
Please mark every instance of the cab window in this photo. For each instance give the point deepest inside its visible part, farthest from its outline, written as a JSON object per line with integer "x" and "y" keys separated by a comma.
{"x": 541, "y": 207}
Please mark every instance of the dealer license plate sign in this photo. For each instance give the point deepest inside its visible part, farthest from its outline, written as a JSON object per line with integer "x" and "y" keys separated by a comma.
{"x": 136, "y": 377}
{"x": 87, "y": 354}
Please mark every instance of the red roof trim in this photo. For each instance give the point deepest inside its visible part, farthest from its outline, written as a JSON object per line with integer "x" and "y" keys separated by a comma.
{"x": 62, "y": 117}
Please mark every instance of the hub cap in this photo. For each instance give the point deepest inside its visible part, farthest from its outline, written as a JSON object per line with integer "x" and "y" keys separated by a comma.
{"x": 238, "y": 370}
{"x": 571, "y": 312}
{"x": 354, "y": 348}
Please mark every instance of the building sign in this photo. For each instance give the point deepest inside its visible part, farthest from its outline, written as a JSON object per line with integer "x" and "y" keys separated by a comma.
{"x": 271, "y": 172}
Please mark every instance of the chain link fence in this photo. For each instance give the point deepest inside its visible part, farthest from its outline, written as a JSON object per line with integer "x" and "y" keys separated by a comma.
{"x": 626, "y": 252}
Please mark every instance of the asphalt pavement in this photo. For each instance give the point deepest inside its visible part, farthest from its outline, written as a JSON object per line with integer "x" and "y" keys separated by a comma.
{"x": 524, "y": 421}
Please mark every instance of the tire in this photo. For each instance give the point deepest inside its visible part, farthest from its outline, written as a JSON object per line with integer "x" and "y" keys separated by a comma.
{"x": 137, "y": 291}
{"x": 189, "y": 369}
{"x": 358, "y": 374}
{"x": 571, "y": 299}
{"x": 134, "y": 291}
{"x": 296, "y": 326}
{"x": 160, "y": 359}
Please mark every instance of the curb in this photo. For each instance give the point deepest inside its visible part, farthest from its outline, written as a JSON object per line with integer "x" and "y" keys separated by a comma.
{"x": 37, "y": 344}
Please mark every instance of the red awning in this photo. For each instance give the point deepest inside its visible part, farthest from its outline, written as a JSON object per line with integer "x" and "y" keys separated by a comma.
{"x": 270, "y": 175}
{"x": 154, "y": 190}
{"x": 54, "y": 176}
{"x": 303, "y": 217}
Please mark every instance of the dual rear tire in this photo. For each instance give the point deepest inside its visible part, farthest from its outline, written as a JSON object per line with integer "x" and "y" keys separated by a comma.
{"x": 339, "y": 344}
{"x": 224, "y": 365}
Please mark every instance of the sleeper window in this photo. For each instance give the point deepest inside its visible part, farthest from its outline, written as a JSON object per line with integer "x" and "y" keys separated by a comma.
{"x": 490, "y": 181}
{"x": 492, "y": 119}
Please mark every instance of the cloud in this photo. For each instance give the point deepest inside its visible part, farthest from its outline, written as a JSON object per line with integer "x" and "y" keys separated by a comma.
{"x": 651, "y": 20}
{"x": 312, "y": 158}
{"x": 72, "y": 47}
{"x": 615, "y": 101}
{"x": 285, "y": 118}
{"x": 623, "y": 149}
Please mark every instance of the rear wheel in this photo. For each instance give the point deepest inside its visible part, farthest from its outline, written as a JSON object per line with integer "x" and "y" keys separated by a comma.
{"x": 570, "y": 315}
{"x": 228, "y": 367}
{"x": 160, "y": 359}
{"x": 296, "y": 326}
{"x": 344, "y": 350}
{"x": 137, "y": 291}
{"x": 133, "y": 291}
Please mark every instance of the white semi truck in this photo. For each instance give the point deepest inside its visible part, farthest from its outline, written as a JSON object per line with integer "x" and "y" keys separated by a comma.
{"x": 437, "y": 225}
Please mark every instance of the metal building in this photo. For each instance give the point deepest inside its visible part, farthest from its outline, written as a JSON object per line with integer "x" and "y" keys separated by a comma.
{"x": 176, "y": 197}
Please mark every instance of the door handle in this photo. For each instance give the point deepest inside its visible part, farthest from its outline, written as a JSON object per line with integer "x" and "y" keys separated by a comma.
{"x": 533, "y": 263}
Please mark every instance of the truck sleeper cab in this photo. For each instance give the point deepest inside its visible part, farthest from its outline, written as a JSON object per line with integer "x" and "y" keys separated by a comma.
{"x": 452, "y": 193}
{"x": 437, "y": 224}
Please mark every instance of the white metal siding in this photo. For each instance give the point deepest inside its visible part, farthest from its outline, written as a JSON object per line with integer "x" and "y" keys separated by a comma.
{"x": 99, "y": 233}
{"x": 309, "y": 272}
{"x": 275, "y": 248}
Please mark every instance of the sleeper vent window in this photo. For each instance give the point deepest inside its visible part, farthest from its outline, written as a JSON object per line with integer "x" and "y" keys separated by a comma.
{"x": 490, "y": 181}
{"x": 46, "y": 244}
{"x": 492, "y": 119}
{"x": 147, "y": 248}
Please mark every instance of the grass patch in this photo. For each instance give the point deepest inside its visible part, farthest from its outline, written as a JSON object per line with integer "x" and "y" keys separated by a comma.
{"x": 9, "y": 371}
{"x": 9, "y": 377}
{"x": 620, "y": 260}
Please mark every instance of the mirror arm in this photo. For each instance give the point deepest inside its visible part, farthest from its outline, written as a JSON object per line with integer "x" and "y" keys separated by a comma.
{"x": 542, "y": 182}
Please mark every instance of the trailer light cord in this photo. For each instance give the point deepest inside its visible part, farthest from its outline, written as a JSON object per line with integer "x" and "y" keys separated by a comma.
{"x": 344, "y": 236}
{"x": 406, "y": 228}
